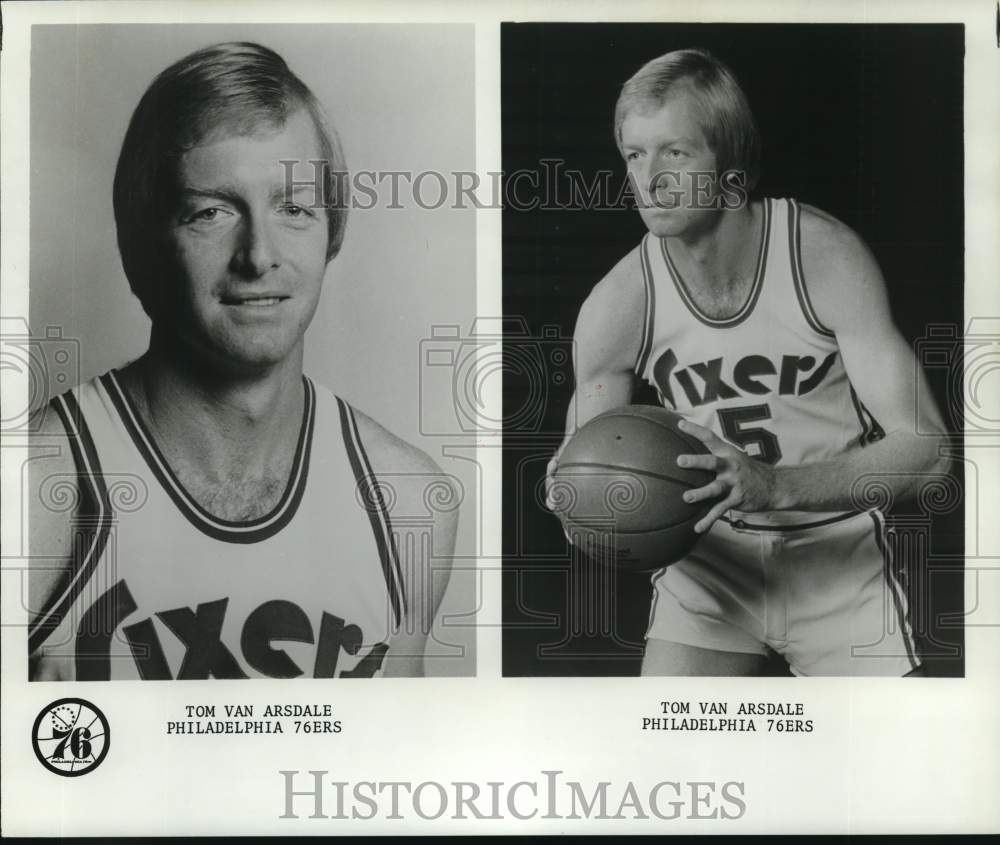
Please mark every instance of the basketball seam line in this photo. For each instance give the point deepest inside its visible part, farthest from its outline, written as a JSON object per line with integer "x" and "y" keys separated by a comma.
{"x": 627, "y": 469}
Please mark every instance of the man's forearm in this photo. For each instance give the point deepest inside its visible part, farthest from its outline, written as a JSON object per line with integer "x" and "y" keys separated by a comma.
{"x": 902, "y": 461}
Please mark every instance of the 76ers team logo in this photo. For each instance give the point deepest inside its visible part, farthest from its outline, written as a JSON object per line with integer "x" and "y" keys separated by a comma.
{"x": 71, "y": 737}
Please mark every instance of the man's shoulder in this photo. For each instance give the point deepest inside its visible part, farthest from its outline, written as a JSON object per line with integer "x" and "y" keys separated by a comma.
{"x": 45, "y": 422}
{"x": 840, "y": 271}
{"x": 54, "y": 425}
{"x": 385, "y": 450}
{"x": 416, "y": 484}
{"x": 621, "y": 293}
{"x": 389, "y": 453}
{"x": 625, "y": 278}
{"x": 829, "y": 246}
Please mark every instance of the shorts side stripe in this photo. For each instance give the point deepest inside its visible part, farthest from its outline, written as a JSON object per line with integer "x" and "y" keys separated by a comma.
{"x": 894, "y": 589}
{"x": 656, "y": 576}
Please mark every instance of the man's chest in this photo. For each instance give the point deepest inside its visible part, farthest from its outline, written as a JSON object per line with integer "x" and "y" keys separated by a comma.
{"x": 237, "y": 493}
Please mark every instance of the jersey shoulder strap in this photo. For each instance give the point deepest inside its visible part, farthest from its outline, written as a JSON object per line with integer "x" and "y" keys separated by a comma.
{"x": 371, "y": 496}
{"x": 794, "y": 229}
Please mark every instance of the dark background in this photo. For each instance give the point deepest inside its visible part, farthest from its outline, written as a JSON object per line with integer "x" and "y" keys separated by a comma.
{"x": 862, "y": 121}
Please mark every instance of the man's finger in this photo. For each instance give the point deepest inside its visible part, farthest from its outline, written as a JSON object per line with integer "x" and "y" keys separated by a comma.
{"x": 712, "y": 463}
{"x": 708, "y": 520}
{"x": 711, "y": 490}
{"x": 703, "y": 434}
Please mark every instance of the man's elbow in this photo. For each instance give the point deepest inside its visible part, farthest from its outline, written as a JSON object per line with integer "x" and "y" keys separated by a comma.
{"x": 406, "y": 657}
{"x": 935, "y": 454}
{"x": 943, "y": 462}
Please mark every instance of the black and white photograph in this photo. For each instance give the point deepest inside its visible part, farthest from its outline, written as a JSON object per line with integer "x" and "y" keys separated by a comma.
{"x": 613, "y": 385}
{"x": 210, "y": 262}
{"x": 730, "y": 276}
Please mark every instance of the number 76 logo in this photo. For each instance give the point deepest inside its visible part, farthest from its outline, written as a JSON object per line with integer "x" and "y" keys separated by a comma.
{"x": 71, "y": 737}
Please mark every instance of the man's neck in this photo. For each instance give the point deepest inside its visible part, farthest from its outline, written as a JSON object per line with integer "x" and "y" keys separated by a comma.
{"x": 201, "y": 418}
{"x": 716, "y": 256}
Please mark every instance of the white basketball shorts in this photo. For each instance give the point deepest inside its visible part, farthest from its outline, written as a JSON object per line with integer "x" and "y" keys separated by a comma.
{"x": 822, "y": 594}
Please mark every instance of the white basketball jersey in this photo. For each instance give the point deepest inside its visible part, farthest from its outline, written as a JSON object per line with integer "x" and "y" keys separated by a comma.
{"x": 769, "y": 378}
{"x": 162, "y": 589}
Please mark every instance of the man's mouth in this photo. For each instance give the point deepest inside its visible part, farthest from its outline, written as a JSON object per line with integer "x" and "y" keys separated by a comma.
{"x": 664, "y": 200}
{"x": 254, "y": 301}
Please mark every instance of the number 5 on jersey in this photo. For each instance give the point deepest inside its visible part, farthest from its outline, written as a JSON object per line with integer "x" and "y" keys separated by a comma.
{"x": 738, "y": 429}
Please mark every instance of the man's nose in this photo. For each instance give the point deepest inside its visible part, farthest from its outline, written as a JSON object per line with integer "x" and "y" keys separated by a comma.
{"x": 645, "y": 181}
{"x": 256, "y": 251}
{"x": 659, "y": 175}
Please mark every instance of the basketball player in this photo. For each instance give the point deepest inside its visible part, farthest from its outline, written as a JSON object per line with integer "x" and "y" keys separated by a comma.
{"x": 231, "y": 517}
{"x": 766, "y": 325}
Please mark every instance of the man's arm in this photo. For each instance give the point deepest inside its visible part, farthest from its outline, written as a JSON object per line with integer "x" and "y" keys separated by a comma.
{"x": 418, "y": 485}
{"x": 605, "y": 347}
{"x": 848, "y": 293}
{"x": 50, "y": 532}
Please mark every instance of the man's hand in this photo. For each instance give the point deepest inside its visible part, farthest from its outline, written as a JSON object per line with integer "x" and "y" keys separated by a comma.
{"x": 743, "y": 483}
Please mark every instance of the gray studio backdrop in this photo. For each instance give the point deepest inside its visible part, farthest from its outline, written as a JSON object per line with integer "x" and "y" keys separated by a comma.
{"x": 402, "y": 99}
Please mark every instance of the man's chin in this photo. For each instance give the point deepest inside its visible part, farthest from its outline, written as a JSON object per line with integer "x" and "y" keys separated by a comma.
{"x": 662, "y": 223}
{"x": 236, "y": 360}
{"x": 255, "y": 362}
{"x": 676, "y": 221}
{"x": 255, "y": 349}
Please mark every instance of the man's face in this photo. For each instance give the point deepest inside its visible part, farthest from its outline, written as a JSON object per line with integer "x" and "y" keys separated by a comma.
{"x": 670, "y": 165}
{"x": 248, "y": 259}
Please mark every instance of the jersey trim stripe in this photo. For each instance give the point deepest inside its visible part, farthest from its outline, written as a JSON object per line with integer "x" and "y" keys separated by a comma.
{"x": 747, "y": 309}
{"x": 741, "y": 524}
{"x": 871, "y": 431}
{"x": 229, "y": 531}
{"x": 94, "y": 497}
{"x": 863, "y": 437}
{"x": 895, "y": 590}
{"x": 395, "y": 565}
{"x": 647, "y": 326}
{"x": 795, "y": 247}
{"x": 374, "y": 504}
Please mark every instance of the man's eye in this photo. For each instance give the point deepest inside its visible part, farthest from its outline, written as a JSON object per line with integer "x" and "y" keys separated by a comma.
{"x": 206, "y": 215}
{"x": 677, "y": 154}
{"x": 631, "y": 156}
{"x": 295, "y": 211}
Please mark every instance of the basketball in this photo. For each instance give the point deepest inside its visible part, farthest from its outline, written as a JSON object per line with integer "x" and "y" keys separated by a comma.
{"x": 618, "y": 490}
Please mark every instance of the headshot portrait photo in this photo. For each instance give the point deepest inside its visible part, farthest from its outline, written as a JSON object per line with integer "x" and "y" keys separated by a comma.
{"x": 232, "y": 279}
